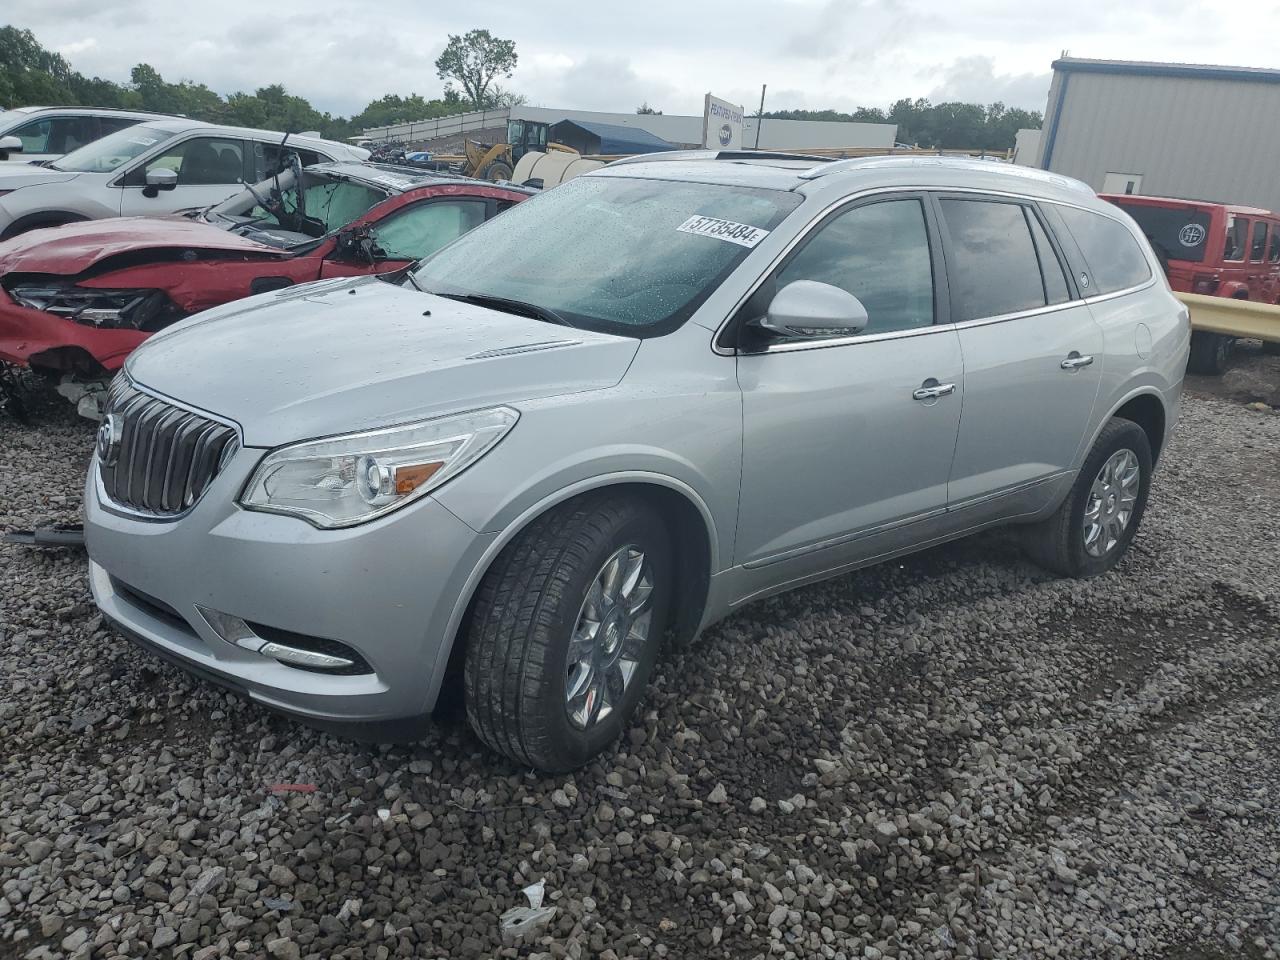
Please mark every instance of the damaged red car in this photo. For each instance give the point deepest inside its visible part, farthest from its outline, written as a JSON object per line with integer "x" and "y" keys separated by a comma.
{"x": 76, "y": 299}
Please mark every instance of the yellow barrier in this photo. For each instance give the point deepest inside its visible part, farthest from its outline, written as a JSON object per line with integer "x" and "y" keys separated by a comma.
{"x": 1236, "y": 318}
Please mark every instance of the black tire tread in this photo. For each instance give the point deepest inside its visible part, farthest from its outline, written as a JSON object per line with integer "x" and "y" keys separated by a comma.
{"x": 1049, "y": 543}
{"x": 512, "y": 621}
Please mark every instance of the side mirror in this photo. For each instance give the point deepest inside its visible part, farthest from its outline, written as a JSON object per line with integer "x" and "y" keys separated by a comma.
{"x": 356, "y": 243}
{"x": 9, "y": 145}
{"x": 809, "y": 310}
{"x": 161, "y": 178}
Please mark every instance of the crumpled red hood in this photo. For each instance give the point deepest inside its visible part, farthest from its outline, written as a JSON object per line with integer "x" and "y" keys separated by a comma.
{"x": 75, "y": 247}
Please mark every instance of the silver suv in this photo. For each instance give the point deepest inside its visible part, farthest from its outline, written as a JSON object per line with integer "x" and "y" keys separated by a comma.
{"x": 615, "y": 415}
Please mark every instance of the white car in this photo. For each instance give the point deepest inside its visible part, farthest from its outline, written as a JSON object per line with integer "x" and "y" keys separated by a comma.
{"x": 151, "y": 169}
{"x": 35, "y": 134}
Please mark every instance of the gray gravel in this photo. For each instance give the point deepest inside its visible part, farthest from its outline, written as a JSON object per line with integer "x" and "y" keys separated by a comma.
{"x": 949, "y": 756}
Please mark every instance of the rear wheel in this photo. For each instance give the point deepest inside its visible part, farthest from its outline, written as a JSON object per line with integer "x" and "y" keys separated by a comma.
{"x": 1210, "y": 353}
{"x": 565, "y": 631}
{"x": 1092, "y": 529}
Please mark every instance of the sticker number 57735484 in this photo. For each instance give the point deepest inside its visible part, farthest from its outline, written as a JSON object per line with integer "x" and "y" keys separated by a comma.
{"x": 742, "y": 234}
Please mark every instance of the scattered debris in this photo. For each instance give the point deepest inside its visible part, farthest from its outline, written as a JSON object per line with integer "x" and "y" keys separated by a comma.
{"x": 54, "y": 535}
{"x": 520, "y": 922}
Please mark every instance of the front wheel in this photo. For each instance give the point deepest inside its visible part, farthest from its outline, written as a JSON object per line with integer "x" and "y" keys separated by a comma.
{"x": 1092, "y": 529}
{"x": 565, "y": 631}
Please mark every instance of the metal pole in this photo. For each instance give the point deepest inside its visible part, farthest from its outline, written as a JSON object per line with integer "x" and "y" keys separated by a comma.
{"x": 760, "y": 115}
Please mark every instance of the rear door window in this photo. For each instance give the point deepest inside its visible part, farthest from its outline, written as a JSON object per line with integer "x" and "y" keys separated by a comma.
{"x": 1237, "y": 234}
{"x": 269, "y": 158}
{"x": 1258, "y": 248}
{"x": 1175, "y": 233}
{"x": 1111, "y": 252}
{"x": 992, "y": 264}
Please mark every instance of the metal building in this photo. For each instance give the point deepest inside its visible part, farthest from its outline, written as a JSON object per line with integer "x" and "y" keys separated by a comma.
{"x": 1165, "y": 129}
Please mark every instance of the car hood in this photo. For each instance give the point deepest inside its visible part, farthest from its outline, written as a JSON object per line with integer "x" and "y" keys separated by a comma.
{"x": 75, "y": 247}
{"x": 26, "y": 174}
{"x": 338, "y": 356}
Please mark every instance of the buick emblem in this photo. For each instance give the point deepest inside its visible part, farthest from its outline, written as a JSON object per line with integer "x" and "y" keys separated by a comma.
{"x": 109, "y": 439}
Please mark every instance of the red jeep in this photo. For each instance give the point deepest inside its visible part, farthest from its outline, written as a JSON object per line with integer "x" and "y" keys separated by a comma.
{"x": 1214, "y": 249}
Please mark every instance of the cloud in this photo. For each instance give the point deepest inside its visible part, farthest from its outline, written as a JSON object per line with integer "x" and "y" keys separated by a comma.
{"x": 974, "y": 80}
{"x": 814, "y": 54}
{"x": 77, "y": 46}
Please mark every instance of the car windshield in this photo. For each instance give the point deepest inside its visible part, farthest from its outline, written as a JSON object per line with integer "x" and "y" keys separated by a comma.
{"x": 112, "y": 151}
{"x": 331, "y": 203}
{"x": 629, "y": 256}
{"x": 1175, "y": 232}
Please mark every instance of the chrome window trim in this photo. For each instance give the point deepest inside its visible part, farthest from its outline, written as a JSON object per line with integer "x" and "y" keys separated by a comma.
{"x": 832, "y": 207}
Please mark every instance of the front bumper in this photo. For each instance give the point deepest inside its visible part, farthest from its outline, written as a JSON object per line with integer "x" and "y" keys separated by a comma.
{"x": 26, "y": 334}
{"x": 393, "y": 590}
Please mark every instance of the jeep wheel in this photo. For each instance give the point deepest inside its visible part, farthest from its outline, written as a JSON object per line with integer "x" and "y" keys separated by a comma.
{"x": 565, "y": 630}
{"x": 498, "y": 170}
{"x": 1210, "y": 353}
{"x": 1092, "y": 529}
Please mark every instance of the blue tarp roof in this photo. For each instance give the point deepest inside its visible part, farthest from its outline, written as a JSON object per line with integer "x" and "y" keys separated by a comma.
{"x": 615, "y": 138}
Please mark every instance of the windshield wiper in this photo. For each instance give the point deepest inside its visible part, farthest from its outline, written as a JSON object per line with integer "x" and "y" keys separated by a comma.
{"x": 518, "y": 307}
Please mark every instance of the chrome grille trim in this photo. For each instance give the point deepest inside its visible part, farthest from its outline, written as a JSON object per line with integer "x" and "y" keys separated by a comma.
{"x": 168, "y": 454}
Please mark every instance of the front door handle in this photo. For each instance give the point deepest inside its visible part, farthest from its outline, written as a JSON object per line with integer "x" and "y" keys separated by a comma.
{"x": 931, "y": 389}
{"x": 1074, "y": 361}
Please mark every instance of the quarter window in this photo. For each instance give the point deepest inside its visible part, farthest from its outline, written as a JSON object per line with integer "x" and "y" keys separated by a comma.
{"x": 1259, "y": 247}
{"x": 993, "y": 261}
{"x": 1237, "y": 231}
{"x": 1111, "y": 252}
{"x": 1273, "y": 255}
{"x": 880, "y": 254}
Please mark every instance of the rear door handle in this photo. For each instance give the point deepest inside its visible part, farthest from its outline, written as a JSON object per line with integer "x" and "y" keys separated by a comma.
{"x": 931, "y": 389}
{"x": 1075, "y": 361}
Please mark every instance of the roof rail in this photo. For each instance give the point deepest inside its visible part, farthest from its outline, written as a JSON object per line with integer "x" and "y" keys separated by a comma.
{"x": 942, "y": 160}
{"x": 670, "y": 155}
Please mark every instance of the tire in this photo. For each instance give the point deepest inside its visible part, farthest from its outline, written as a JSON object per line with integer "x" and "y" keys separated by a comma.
{"x": 1271, "y": 348}
{"x": 519, "y": 665}
{"x": 1059, "y": 543}
{"x": 498, "y": 170}
{"x": 37, "y": 221}
{"x": 1210, "y": 353}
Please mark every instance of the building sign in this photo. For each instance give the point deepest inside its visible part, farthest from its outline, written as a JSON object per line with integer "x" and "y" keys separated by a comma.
{"x": 721, "y": 125}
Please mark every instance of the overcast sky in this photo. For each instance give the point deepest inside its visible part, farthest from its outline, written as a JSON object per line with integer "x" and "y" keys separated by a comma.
{"x": 607, "y": 55}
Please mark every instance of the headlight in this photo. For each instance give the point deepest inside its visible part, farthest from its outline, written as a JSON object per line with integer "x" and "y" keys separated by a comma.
{"x": 347, "y": 480}
{"x": 95, "y": 307}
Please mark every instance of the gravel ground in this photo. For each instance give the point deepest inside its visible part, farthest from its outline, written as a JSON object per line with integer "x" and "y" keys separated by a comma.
{"x": 950, "y": 756}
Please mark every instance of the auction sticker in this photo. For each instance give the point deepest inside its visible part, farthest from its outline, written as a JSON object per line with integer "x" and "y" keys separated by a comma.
{"x": 743, "y": 234}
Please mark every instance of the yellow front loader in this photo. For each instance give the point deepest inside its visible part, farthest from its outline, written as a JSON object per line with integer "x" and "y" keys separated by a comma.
{"x": 497, "y": 161}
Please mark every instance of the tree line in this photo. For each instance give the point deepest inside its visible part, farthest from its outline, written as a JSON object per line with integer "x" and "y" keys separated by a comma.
{"x": 33, "y": 75}
{"x": 937, "y": 126}
{"x": 476, "y": 61}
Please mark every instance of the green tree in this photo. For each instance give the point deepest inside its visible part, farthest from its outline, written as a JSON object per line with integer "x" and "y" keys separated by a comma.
{"x": 476, "y": 59}
{"x": 645, "y": 110}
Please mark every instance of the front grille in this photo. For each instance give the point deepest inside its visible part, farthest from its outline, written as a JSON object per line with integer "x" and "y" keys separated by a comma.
{"x": 163, "y": 457}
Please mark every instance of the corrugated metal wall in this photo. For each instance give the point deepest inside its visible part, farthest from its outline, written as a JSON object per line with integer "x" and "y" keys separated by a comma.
{"x": 1194, "y": 138}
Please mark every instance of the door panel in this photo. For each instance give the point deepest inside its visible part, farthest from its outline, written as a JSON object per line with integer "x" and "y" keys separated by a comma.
{"x": 1033, "y": 356}
{"x": 209, "y": 169}
{"x": 1024, "y": 415}
{"x": 834, "y": 443}
{"x": 841, "y": 440}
